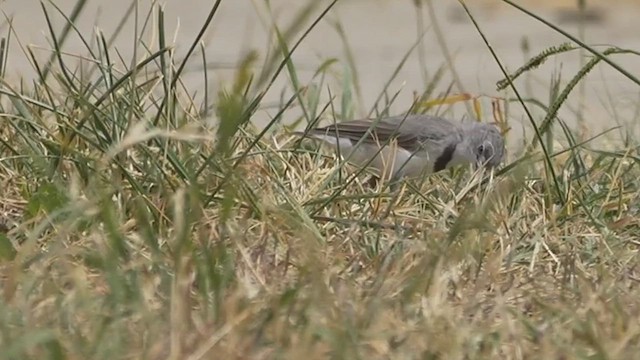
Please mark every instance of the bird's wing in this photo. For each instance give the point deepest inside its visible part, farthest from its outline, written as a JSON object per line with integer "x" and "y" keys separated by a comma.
{"x": 409, "y": 131}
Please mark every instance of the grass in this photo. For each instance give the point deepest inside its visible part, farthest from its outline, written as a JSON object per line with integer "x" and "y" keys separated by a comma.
{"x": 131, "y": 228}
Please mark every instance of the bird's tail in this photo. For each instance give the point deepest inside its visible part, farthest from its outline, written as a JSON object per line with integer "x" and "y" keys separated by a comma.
{"x": 312, "y": 133}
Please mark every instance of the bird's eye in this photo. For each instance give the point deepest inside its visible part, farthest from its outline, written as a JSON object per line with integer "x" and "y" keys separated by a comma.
{"x": 485, "y": 152}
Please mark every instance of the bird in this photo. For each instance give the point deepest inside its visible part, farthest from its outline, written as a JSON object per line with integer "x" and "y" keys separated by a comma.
{"x": 412, "y": 145}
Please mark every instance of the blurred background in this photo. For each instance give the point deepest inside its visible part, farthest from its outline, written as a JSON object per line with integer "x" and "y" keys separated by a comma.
{"x": 378, "y": 34}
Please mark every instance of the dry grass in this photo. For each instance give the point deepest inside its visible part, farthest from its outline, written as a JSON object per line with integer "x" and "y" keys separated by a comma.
{"x": 175, "y": 240}
{"x": 498, "y": 273}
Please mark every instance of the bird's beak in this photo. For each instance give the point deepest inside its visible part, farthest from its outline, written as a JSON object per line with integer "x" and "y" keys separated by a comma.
{"x": 481, "y": 163}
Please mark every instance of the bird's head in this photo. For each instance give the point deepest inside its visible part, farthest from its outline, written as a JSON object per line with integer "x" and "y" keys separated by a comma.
{"x": 483, "y": 144}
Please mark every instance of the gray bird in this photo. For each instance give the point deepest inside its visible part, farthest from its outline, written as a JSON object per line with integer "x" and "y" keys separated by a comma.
{"x": 413, "y": 145}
